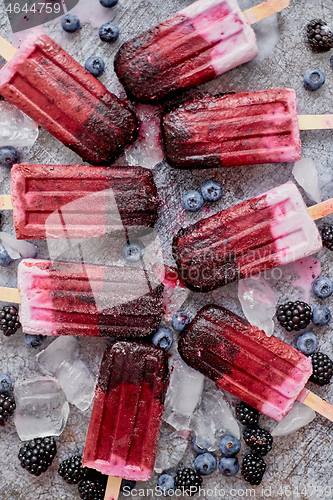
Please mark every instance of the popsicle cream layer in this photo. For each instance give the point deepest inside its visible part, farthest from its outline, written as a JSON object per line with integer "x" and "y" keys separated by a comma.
{"x": 254, "y": 236}
{"x": 45, "y": 82}
{"x": 265, "y": 372}
{"x": 197, "y": 44}
{"x": 65, "y": 298}
{"x": 236, "y": 129}
{"x": 128, "y": 406}
{"x": 79, "y": 201}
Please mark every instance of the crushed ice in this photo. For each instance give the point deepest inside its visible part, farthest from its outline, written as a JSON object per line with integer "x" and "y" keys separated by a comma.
{"x": 61, "y": 360}
{"x": 18, "y": 248}
{"x": 306, "y": 175}
{"x": 258, "y": 302}
{"x": 16, "y": 128}
{"x": 298, "y": 416}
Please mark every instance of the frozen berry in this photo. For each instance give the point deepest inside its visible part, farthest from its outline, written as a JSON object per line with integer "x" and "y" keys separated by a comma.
{"x": 8, "y": 156}
{"x": 307, "y": 343}
{"x": 163, "y": 337}
{"x": 205, "y": 464}
{"x": 70, "y": 23}
{"x": 321, "y": 315}
{"x": 313, "y": 79}
{"x": 229, "y": 446}
{"x": 108, "y": 32}
{"x": 320, "y": 36}
{"x": 259, "y": 440}
{"x": 211, "y": 191}
{"x": 322, "y": 287}
{"x": 180, "y": 320}
{"x": 253, "y": 468}
{"x": 9, "y": 322}
{"x": 246, "y": 414}
{"x": 37, "y": 455}
{"x": 322, "y": 368}
{"x": 294, "y": 315}
{"x": 95, "y": 65}
{"x": 192, "y": 201}
{"x": 228, "y": 466}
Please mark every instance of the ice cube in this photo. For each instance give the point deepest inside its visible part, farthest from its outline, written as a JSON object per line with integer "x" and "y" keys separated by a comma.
{"x": 173, "y": 299}
{"x": 18, "y": 248}
{"x": 61, "y": 360}
{"x": 41, "y": 408}
{"x": 183, "y": 395}
{"x": 77, "y": 383}
{"x": 296, "y": 418}
{"x": 16, "y": 128}
{"x": 171, "y": 449}
{"x": 306, "y": 175}
{"x": 213, "y": 419}
{"x": 147, "y": 150}
{"x": 258, "y": 302}
{"x": 63, "y": 349}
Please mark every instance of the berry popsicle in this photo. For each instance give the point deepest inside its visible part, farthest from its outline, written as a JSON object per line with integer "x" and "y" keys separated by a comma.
{"x": 66, "y": 298}
{"x": 265, "y": 372}
{"x": 249, "y": 128}
{"x": 45, "y": 82}
{"x": 193, "y": 46}
{"x": 259, "y": 234}
{"x": 79, "y": 201}
{"x": 128, "y": 406}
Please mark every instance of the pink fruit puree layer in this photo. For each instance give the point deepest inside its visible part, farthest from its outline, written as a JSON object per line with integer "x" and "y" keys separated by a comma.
{"x": 265, "y": 372}
{"x": 126, "y": 416}
{"x": 246, "y": 239}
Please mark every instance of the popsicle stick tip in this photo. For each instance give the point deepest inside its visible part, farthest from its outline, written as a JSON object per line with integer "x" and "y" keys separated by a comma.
{"x": 321, "y": 209}
{"x": 265, "y": 9}
{"x": 112, "y": 488}
{"x": 6, "y": 202}
{"x": 316, "y": 403}
{"x": 315, "y": 122}
{"x": 10, "y": 295}
{"x": 7, "y": 51}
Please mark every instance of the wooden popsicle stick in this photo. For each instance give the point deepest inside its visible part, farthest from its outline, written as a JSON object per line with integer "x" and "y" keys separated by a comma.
{"x": 7, "y": 51}
{"x": 316, "y": 403}
{"x": 315, "y": 122}
{"x": 6, "y": 202}
{"x": 264, "y": 9}
{"x": 321, "y": 209}
{"x": 10, "y": 295}
{"x": 112, "y": 488}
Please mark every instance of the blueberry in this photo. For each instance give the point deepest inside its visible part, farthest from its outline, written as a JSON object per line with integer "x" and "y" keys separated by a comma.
{"x": 211, "y": 191}
{"x": 167, "y": 484}
{"x": 180, "y": 320}
{"x": 205, "y": 464}
{"x": 70, "y": 23}
{"x": 6, "y": 384}
{"x": 8, "y": 156}
{"x": 192, "y": 201}
{"x": 163, "y": 337}
{"x": 229, "y": 446}
{"x": 133, "y": 251}
{"x": 307, "y": 343}
{"x": 5, "y": 259}
{"x": 196, "y": 448}
{"x": 108, "y": 32}
{"x": 228, "y": 466}
{"x": 127, "y": 485}
{"x": 95, "y": 65}
{"x": 108, "y": 3}
{"x": 321, "y": 315}
{"x": 322, "y": 287}
{"x": 313, "y": 79}
{"x": 34, "y": 341}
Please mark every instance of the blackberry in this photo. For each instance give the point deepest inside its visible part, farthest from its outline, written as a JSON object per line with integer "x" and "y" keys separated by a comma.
{"x": 71, "y": 470}
{"x": 294, "y": 315}
{"x": 37, "y": 455}
{"x": 246, "y": 414}
{"x": 7, "y": 407}
{"x": 9, "y": 322}
{"x": 259, "y": 440}
{"x": 253, "y": 468}
{"x": 320, "y": 36}
{"x": 322, "y": 368}
{"x": 93, "y": 487}
{"x": 188, "y": 481}
{"x": 327, "y": 236}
